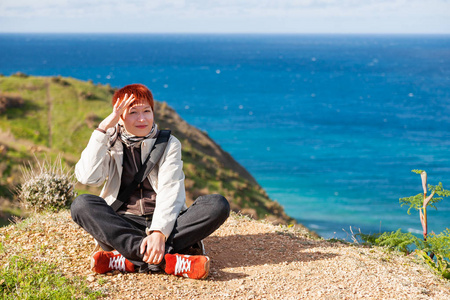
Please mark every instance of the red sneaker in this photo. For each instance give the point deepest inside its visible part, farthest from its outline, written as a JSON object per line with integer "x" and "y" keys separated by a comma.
{"x": 105, "y": 261}
{"x": 195, "y": 266}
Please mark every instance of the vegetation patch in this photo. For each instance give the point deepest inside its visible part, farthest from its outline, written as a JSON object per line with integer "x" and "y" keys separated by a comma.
{"x": 434, "y": 249}
{"x": 24, "y": 278}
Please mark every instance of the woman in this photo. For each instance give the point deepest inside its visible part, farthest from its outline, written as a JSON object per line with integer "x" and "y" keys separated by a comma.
{"x": 153, "y": 228}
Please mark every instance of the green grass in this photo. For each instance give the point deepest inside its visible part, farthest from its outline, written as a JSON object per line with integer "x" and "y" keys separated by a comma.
{"x": 23, "y": 278}
{"x": 59, "y": 107}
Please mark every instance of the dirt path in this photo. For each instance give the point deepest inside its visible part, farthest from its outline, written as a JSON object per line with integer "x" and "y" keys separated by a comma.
{"x": 249, "y": 260}
{"x": 49, "y": 112}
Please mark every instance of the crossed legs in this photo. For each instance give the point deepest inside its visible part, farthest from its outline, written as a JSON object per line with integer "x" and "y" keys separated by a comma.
{"x": 125, "y": 233}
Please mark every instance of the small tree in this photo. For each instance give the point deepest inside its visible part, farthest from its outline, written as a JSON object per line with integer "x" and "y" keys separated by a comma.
{"x": 420, "y": 202}
{"x": 435, "y": 246}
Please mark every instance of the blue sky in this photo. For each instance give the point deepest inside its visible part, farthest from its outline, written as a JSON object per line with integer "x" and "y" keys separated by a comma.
{"x": 226, "y": 16}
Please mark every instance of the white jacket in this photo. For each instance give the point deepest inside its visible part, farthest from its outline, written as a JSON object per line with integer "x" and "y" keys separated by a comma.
{"x": 99, "y": 163}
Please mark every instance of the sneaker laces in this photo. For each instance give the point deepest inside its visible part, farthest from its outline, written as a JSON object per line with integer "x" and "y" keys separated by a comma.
{"x": 117, "y": 263}
{"x": 183, "y": 265}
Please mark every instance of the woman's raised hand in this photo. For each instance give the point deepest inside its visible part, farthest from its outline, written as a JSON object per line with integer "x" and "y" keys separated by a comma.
{"x": 118, "y": 109}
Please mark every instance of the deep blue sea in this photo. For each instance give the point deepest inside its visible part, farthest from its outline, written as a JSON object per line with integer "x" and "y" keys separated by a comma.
{"x": 330, "y": 125}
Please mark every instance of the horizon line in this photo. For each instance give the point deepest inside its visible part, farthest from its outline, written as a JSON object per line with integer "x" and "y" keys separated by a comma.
{"x": 228, "y": 33}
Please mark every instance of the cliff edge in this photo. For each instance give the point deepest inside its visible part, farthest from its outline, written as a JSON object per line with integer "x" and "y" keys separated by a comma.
{"x": 249, "y": 260}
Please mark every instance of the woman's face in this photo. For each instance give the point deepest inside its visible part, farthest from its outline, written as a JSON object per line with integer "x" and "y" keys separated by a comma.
{"x": 138, "y": 119}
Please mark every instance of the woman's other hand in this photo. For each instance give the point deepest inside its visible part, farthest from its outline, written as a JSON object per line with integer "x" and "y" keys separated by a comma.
{"x": 153, "y": 247}
{"x": 118, "y": 109}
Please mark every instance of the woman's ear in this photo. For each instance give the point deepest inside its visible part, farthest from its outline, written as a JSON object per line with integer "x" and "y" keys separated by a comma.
{"x": 121, "y": 120}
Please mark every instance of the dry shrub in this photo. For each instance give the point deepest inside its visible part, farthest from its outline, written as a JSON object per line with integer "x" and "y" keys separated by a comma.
{"x": 47, "y": 186}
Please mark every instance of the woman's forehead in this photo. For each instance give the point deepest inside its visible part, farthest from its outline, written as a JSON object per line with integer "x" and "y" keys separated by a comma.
{"x": 140, "y": 102}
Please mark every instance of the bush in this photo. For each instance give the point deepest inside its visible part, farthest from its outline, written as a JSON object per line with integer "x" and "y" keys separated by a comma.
{"x": 395, "y": 240}
{"x": 86, "y": 95}
{"x": 10, "y": 101}
{"x": 92, "y": 120}
{"x": 20, "y": 75}
{"x": 46, "y": 187}
{"x": 60, "y": 80}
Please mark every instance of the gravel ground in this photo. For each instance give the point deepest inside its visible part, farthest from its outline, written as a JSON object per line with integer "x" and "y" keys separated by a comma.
{"x": 249, "y": 260}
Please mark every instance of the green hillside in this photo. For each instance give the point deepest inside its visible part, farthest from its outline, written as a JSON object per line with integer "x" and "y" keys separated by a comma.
{"x": 50, "y": 116}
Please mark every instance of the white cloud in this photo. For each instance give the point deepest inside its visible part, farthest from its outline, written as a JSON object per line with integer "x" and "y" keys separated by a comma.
{"x": 51, "y": 8}
{"x": 221, "y": 15}
{"x": 67, "y": 8}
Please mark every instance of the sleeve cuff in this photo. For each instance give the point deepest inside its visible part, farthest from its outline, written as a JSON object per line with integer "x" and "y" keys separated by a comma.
{"x": 100, "y": 137}
{"x": 149, "y": 231}
{"x": 101, "y": 130}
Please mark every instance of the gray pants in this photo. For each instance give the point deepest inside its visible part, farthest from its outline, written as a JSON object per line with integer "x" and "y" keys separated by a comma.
{"x": 125, "y": 233}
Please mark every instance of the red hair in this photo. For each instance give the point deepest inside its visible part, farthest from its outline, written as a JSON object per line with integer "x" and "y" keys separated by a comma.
{"x": 140, "y": 92}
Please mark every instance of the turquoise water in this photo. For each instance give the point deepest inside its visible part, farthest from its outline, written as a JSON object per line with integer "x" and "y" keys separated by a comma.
{"x": 330, "y": 126}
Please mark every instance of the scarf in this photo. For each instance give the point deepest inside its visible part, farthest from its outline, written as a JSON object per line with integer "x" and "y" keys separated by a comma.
{"x": 131, "y": 140}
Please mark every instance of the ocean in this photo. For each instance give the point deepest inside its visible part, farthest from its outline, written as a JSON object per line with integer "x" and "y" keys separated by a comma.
{"x": 330, "y": 125}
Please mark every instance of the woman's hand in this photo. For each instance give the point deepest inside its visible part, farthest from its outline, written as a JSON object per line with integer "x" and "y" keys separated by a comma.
{"x": 153, "y": 247}
{"x": 118, "y": 109}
